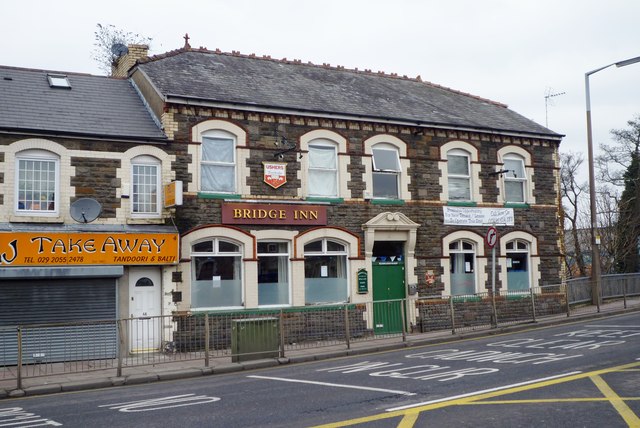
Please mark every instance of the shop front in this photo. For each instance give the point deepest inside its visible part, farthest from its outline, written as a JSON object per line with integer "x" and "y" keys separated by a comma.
{"x": 88, "y": 277}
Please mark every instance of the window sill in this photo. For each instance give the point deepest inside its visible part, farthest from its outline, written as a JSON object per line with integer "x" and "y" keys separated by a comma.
{"x": 148, "y": 220}
{"x": 462, "y": 204}
{"x": 203, "y": 195}
{"x": 321, "y": 199}
{"x": 35, "y": 219}
{"x": 516, "y": 205}
{"x": 387, "y": 202}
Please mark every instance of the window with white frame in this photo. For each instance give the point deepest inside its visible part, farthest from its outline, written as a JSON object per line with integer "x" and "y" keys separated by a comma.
{"x": 216, "y": 266}
{"x": 323, "y": 168}
{"x": 218, "y": 162}
{"x": 459, "y": 175}
{"x": 37, "y": 182}
{"x": 273, "y": 273}
{"x": 515, "y": 178}
{"x": 462, "y": 256}
{"x": 145, "y": 181}
{"x": 518, "y": 277}
{"x": 325, "y": 272}
{"x": 386, "y": 171}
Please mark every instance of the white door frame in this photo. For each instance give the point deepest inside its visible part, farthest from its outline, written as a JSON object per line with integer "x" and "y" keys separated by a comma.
{"x": 145, "y": 308}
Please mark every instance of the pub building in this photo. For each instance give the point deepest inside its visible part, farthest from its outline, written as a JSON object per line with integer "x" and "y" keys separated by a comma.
{"x": 313, "y": 184}
{"x": 85, "y": 229}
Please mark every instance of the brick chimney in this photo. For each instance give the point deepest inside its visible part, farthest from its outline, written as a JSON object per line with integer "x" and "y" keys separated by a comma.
{"x": 123, "y": 63}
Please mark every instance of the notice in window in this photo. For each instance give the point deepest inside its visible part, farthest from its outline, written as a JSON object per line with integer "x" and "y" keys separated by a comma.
{"x": 217, "y": 282}
{"x": 324, "y": 271}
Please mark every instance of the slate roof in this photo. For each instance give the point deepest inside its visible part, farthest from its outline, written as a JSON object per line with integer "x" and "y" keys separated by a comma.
{"x": 95, "y": 106}
{"x": 262, "y": 82}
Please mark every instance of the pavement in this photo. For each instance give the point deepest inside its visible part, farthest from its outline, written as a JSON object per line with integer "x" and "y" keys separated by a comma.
{"x": 62, "y": 380}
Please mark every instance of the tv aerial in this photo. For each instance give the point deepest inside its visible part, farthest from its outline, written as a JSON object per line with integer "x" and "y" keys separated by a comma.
{"x": 85, "y": 210}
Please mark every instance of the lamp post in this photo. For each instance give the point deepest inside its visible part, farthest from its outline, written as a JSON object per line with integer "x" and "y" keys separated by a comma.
{"x": 596, "y": 277}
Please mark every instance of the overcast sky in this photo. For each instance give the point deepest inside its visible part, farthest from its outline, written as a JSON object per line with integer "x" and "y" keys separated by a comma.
{"x": 512, "y": 51}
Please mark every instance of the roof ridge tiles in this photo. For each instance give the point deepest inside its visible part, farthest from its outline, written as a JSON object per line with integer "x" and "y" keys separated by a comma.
{"x": 328, "y": 66}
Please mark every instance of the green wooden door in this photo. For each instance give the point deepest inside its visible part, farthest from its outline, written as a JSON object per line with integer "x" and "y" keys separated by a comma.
{"x": 388, "y": 292}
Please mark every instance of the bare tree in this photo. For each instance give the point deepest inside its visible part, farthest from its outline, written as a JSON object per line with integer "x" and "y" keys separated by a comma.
{"x": 574, "y": 209}
{"x": 607, "y": 200}
{"x": 615, "y": 159}
{"x": 108, "y": 43}
{"x": 619, "y": 166}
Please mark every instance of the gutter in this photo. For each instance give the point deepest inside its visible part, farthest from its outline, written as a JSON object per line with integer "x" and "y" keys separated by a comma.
{"x": 202, "y": 102}
{"x": 65, "y": 134}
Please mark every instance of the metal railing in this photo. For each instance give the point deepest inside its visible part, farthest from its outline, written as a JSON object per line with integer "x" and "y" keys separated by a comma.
{"x": 37, "y": 350}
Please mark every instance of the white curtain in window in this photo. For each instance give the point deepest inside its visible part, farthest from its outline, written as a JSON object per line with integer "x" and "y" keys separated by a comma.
{"x": 322, "y": 171}
{"x": 217, "y": 150}
{"x": 217, "y": 165}
{"x": 217, "y": 178}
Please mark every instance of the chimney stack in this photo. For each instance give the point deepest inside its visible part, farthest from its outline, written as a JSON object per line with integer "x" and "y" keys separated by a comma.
{"x": 123, "y": 63}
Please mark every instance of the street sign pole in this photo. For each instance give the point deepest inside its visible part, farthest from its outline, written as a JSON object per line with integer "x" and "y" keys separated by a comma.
{"x": 493, "y": 286}
{"x": 491, "y": 238}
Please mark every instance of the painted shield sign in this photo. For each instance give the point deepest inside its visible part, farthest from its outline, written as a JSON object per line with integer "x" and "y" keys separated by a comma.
{"x": 275, "y": 173}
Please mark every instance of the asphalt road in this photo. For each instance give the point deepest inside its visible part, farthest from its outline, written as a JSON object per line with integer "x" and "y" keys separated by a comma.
{"x": 579, "y": 374}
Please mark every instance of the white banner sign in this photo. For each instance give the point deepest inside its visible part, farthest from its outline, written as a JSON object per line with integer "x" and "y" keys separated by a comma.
{"x": 472, "y": 216}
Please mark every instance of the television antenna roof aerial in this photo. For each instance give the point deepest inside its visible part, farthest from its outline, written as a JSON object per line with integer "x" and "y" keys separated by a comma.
{"x": 85, "y": 210}
{"x": 547, "y": 100}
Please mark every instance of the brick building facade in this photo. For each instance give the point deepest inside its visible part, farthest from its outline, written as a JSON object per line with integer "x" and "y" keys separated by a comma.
{"x": 308, "y": 185}
{"x": 84, "y": 234}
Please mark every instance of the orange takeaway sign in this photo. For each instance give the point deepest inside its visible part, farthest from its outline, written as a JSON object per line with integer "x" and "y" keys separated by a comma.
{"x": 37, "y": 249}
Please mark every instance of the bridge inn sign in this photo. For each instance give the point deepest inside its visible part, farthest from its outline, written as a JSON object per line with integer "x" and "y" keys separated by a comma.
{"x": 274, "y": 214}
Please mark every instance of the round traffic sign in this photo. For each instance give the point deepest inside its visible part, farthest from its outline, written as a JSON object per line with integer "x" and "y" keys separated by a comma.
{"x": 492, "y": 237}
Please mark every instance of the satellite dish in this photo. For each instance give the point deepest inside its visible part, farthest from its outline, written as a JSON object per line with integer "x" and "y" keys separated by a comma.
{"x": 119, "y": 49}
{"x": 85, "y": 210}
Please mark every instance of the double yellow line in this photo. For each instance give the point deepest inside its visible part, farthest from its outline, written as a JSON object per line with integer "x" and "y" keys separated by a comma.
{"x": 410, "y": 416}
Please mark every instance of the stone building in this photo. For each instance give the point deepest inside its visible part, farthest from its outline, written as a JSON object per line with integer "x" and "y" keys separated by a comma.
{"x": 314, "y": 184}
{"x": 84, "y": 231}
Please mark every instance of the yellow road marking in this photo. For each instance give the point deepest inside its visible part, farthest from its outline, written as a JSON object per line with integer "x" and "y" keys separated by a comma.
{"x": 627, "y": 414}
{"x": 551, "y": 400}
{"x": 475, "y": 398}
{"x": 409, "y": 420}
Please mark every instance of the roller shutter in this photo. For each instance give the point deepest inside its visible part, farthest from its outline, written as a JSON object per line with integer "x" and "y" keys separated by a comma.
{"x": 61, "y": 319}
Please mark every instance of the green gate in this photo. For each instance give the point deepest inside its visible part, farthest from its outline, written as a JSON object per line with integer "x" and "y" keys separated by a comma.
{"x": 388, "y": 295}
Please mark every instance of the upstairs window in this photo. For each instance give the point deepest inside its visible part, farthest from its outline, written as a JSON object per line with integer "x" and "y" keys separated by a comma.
{"x": 386, "y": 171}
{"x": 459, "y": 175}
{"x": 323, "y": 169}
{"x": 515, "y": 179}
{"x": 145, "y": 180}
{"x": 218, "y": 162}
{"x": 37, "y": 183}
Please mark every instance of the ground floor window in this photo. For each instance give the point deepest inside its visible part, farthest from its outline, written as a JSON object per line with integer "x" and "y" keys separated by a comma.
{"x": 325, "y": 269}
{"x": 273, "y": 273}
{"x": 216, "y": 274}
{"x": 462, "y": 268}
{"x": 517, "y": 265}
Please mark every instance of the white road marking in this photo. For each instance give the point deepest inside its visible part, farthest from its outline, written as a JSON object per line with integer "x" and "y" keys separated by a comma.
{"x": 499, "y": 388}
{"x": 612, "y": 326}
{"x": 336, "y": 385}
{"x": 17, "y": 417}
{"x": 161, "y": 403}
